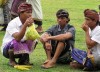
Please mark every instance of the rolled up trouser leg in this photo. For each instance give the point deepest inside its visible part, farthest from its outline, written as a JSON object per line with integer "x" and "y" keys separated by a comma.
{"x": 11, "y": 55}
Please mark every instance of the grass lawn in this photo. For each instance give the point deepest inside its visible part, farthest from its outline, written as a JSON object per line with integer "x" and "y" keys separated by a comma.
{"x": 50, "y": 7}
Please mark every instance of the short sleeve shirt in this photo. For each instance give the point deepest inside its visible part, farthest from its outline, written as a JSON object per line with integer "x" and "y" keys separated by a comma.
{"x": 95, "y": 36}
{"x": 13, "y": 27}
{"x": 56, "y": 30}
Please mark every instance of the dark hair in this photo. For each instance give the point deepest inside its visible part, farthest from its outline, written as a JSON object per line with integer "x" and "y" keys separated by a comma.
{"x": 63, "y": 13}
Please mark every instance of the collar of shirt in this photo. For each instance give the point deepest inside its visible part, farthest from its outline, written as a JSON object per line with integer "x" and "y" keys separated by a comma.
{"x": 59, "y": 29}
{"x": 19, "y": 22}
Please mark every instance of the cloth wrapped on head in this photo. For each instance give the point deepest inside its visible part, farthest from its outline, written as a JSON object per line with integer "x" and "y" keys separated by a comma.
{"x": 24, "y": 7}
{"x": 92, "y": 14}
{"x": 62, "y": 13}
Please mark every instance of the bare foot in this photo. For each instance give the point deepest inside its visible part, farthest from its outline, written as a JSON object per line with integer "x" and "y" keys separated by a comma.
{"x": 46, "y": 61}
{"x": 12, "y": 63}
{"x": 48, "y": 65}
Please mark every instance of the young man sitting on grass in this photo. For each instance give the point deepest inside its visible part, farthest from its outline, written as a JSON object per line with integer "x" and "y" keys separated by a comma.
{"x": 92, "y": 36}
{"x": 57, "y": 40}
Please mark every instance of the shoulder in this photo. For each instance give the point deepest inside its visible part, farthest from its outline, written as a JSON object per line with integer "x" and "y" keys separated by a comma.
{"x": 70, "y": 26}
{"x": 14, "y": 21}
{"x": 54, "y": 27}
{"x": 97, "y": 28}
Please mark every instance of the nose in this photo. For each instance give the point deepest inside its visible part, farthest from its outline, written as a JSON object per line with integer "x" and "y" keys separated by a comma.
{"x": 86, "y": 22}
{"x": 30, "y": 14}
{"x": 59, "y": 19}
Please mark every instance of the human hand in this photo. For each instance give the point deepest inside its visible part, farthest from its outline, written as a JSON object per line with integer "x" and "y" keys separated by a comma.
{"x": 85, "y": 27}
{"x": 29, "y": 21}
{"x": 44, "y": 37}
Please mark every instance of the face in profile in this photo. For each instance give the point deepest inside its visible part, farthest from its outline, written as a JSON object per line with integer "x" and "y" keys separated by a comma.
{"x": 26, "y": 14}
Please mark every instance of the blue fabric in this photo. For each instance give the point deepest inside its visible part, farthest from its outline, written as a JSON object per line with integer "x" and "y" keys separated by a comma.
{"x": 81, "y": 57}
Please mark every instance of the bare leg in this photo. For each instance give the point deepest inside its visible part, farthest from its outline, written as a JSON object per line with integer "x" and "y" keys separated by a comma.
{"x": 47, "y": 47}
{"x": 52, "y": 62}
{"x": 12, "y": 61}
{"x": 48, "y": 54}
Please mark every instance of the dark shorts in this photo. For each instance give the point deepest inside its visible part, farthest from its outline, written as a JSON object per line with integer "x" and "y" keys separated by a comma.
{"x": 65, "y": 56}
{"x": 65, "y": 59}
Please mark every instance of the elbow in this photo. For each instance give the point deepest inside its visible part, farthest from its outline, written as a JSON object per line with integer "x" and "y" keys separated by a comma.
{"x": 18, "y": 39}
{"x": 90, "y": 45}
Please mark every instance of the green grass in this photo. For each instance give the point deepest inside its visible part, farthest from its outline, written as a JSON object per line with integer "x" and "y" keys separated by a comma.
{"x": 75, "y": 9}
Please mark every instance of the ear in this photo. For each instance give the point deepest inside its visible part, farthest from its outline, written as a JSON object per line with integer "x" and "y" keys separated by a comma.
{"x": 95, "y": 21}
{"x": 67, "y": 20}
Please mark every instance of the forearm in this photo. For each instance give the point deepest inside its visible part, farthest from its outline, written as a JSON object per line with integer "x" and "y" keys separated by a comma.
{"x": 61, "y": 37}
{"x": 28, "y": 22}
{"x": 89, "y": 42}
{"x": 58, "y": 37}
{"x": 88, "y": 39}
{"x": 18, "y": 36}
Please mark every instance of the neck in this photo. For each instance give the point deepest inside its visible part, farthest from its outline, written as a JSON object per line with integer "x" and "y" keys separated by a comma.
{"x": 92, "y": 27}
{"x": 62, "y": 27}
{"x": 22, "y": 20}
